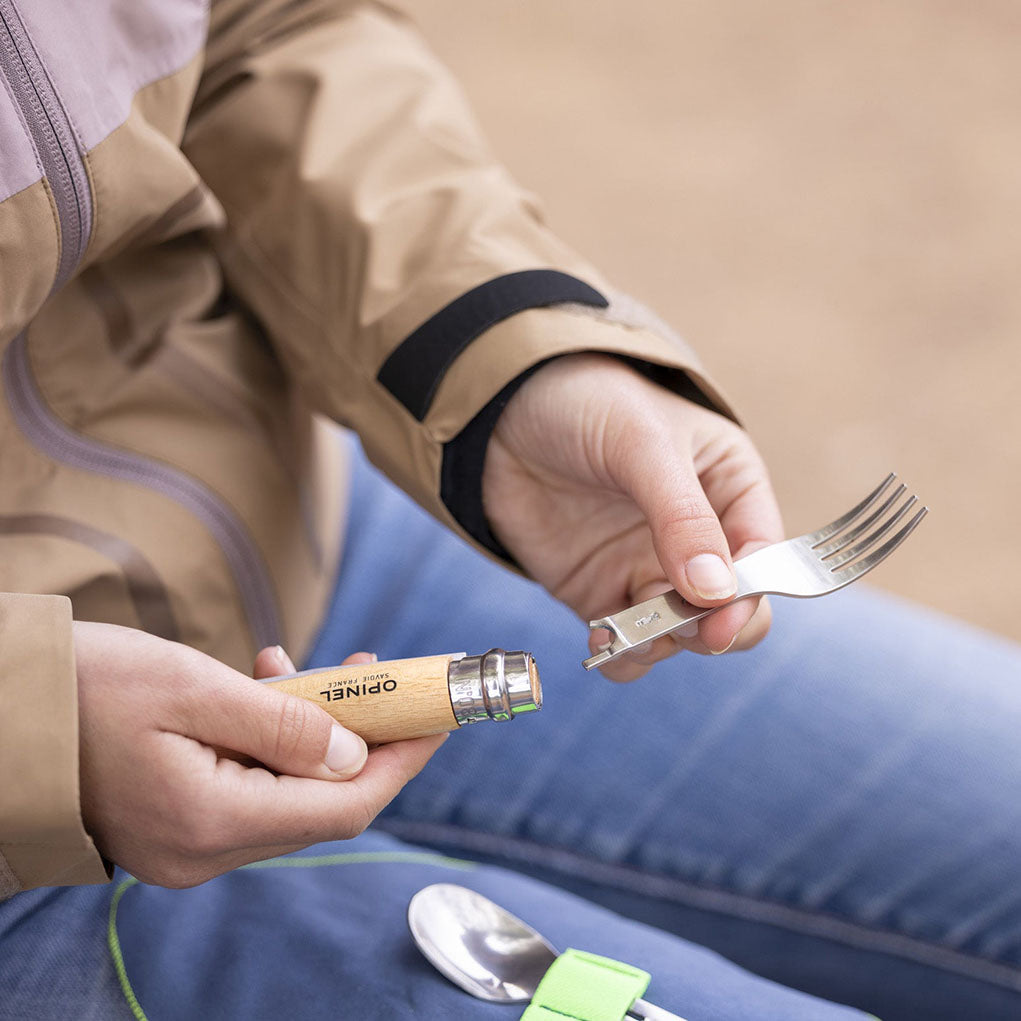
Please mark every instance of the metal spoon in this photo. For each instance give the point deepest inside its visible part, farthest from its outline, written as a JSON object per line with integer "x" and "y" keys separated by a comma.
{"x": 486, "y": 950}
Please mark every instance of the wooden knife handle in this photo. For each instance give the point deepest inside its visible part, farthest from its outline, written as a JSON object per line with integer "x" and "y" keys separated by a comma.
{"x": 381, "y": 702}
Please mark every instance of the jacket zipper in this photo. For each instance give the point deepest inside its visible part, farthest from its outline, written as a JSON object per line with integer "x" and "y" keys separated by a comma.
{"x": 63, "y": 165}
{"x": 54, "y": 137}
{"x": 55, "y": 439}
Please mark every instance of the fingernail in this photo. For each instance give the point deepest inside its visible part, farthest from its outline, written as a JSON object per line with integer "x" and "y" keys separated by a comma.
{"x": 710, "y": 576}
{"x": 729, "y": 646}
{"x": 373, "y": 658}
{"x": 282, "y": 659}
{"x": 346, "y": 752}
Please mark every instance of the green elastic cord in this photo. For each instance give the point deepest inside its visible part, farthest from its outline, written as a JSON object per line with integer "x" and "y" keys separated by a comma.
{"x": 114, "y": 942}
{"x": 296, "y": 862}
{"x": 586, "y": 987}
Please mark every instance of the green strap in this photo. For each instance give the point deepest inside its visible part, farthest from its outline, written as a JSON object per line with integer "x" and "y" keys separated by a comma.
{"x": 586, "y": 987}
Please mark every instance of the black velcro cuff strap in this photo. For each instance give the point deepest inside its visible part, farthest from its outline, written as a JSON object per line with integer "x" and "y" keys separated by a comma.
{"x": 461, "y": 471}
{"x": 414, "y": 371}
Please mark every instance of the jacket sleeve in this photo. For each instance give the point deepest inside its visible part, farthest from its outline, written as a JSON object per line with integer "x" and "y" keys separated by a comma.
{"x": 403, "y": 277}
{"x": 42, "y": 840}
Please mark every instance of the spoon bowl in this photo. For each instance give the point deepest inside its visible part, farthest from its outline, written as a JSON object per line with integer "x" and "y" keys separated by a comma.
{"x": 480, "y": 947}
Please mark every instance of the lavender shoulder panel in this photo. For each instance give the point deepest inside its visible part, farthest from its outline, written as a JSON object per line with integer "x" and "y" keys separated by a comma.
{"x": 19, "y": 162}
{"x": 99, "y": 54}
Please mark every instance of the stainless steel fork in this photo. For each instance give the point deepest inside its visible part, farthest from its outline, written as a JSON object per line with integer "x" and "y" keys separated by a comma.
{"x": 812, "y": 564}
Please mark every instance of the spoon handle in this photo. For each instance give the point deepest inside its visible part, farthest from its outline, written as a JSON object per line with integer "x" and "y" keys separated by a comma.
{"x": 650, "y": 1012}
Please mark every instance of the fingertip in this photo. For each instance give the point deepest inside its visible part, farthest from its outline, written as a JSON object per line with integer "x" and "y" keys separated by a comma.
{"x": 598, "y": 639}
{"x": 624, "y": 671}
{"x": 757, "y": 628}
{"x": 272, "y": 661}
{"x": 651, "y": 653}
{"x": 726, "y": 648}
{"x": 437, "y": 740}
{"x": 346, "y": 753}
{"x": 710, "y": 577}
{"x": 441, "y": 739}
{"x": 360, "y": 658}
{"x": 719, "y": 630}
{"x": 736, "y": 628}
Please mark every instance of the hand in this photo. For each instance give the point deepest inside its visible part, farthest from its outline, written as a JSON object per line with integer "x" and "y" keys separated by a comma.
{"x": 163, "y": 797}
{"x": 609, "y": 489}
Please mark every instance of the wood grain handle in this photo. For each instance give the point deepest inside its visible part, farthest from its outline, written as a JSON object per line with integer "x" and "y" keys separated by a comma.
{"x": 381, "y": 702}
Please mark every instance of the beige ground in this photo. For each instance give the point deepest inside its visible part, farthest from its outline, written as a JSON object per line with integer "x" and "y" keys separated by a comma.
{"x": 826, "y": 199}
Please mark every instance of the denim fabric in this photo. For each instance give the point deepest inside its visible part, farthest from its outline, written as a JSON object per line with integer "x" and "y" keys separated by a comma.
{"x": 837, "y": 810}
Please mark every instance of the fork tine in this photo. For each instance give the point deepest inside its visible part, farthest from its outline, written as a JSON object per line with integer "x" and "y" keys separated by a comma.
{"x": 849, "y": 574}
{"x": 846, "y": 538}
{"x": 828, "y": 531}
{"x": 871, "y": 539}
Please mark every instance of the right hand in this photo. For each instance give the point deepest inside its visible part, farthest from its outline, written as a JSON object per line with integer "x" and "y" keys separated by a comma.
{"x": 160, "y": 794}
{"x": 609, "y": 489}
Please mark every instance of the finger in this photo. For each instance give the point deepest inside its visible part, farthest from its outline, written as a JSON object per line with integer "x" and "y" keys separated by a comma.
{"x": 265, "y": 810}
{"x": 686, "y": 532}
{"x": 360, "y": 657}
{"x": 622, "y": 670}
{"x": 736, "y": 484}
{"x": 756, "y": 629}
{"x": 738, "y": 488}
{"x": 662, "y": 648}
{"x": 718, "y": 632}
{"x": 743, "y": 625}
{"x": 272, "y": 662}
{"x": 284, "y": 732}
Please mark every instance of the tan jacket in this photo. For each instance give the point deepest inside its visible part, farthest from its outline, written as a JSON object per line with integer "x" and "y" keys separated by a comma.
{"x": 219, "y": 235}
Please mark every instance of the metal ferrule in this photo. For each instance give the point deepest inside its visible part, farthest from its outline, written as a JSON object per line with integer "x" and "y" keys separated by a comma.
{"x": 494, "y": 686}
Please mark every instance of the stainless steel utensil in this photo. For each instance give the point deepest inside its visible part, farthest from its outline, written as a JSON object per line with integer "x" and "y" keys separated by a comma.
{"x": 485, "y": 949}
{"x": 812, "y": 564}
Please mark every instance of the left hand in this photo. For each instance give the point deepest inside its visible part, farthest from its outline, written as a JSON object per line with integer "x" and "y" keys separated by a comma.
{"x": 189, "y": 769}
{"x": 609, "y": 489}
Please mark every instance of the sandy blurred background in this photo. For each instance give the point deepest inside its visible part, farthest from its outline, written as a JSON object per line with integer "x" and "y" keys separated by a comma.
{"x": 825, "y": 198}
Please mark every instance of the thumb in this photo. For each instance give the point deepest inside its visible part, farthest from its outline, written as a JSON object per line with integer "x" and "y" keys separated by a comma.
{"x": 686, "y": 532}
{"x": 284, "y": 732}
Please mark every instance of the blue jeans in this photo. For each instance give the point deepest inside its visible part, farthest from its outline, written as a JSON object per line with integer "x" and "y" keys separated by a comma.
{"x": 838, "y": 810}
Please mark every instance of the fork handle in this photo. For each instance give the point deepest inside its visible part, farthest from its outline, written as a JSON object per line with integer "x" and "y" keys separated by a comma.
{"x": 652, "y": 618}
{"x": 644, "y": 622}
